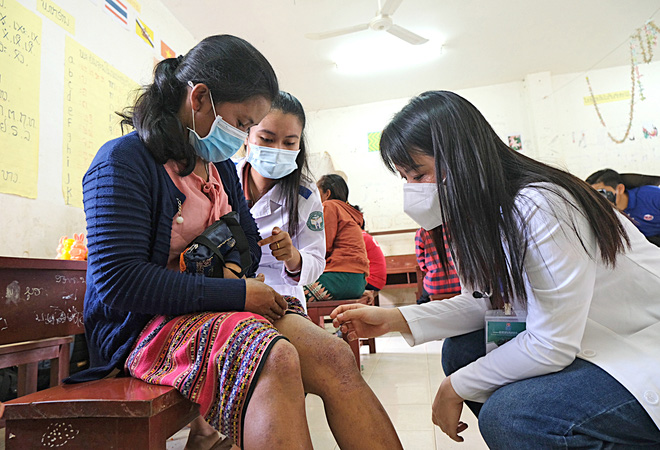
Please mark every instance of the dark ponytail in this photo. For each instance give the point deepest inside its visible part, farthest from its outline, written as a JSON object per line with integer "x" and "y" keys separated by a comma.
{"x": 229, "y": 66}
{"x": 338, "y": 190}
{"x": 336, "y": 185}
{"x": 155, "y": 116}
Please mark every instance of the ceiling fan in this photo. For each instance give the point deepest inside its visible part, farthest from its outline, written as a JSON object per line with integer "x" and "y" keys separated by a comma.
{"x": 381, "y": 22}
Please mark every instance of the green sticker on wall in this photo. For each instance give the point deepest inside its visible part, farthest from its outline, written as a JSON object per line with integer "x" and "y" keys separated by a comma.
{"x": 374, "y": 141}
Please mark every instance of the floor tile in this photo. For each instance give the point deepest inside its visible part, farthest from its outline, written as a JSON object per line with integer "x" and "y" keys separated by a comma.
{"x": 178, "y": 441}
{"x": 417, "y": 440}
{"x": 400, "y": 393}
{"x": 410, "y": 417}
{"x": 405, "y": 380}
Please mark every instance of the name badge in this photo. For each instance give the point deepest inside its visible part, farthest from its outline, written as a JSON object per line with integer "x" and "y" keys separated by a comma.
{"x": 502, "y": 326}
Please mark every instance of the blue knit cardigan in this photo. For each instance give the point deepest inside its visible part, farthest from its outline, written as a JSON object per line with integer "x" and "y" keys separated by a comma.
{"x": 130, "y": 202}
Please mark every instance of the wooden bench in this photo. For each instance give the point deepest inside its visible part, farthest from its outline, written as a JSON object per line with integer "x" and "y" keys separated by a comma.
{"x": 401, "y": 271}
{"x": 118, "y": 413}
{"x": 43, "y": 308}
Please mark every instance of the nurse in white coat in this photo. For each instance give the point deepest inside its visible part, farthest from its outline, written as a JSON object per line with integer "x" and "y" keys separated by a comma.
{"x": 287, "y": 208}
{"x": 284, "y": 201}
{"x": 585, "y": 373}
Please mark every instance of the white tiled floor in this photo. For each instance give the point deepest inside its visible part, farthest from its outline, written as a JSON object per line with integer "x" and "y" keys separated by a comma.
{"x": 405, "y": 380}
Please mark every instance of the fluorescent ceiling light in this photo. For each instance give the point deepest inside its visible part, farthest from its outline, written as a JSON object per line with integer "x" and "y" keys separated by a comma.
{"x": 381, "y": 52}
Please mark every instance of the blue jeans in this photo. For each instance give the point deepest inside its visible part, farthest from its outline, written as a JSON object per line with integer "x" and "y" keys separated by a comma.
{"x": 581, "y": 406}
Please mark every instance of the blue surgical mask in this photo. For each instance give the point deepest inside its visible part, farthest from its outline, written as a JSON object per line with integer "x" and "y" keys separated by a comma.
{"x": 273, "y": 163}
{"x": 222, "y": 142}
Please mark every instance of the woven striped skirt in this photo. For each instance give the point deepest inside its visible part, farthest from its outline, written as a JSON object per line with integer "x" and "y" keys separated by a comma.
{"x": 212, "y": 358}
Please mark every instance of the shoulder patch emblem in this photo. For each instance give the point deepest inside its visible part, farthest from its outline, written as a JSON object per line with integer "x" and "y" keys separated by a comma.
{"x": 315, "y": 221}
{"x": 304, "y": 192}
{"x": 648, "y": 217}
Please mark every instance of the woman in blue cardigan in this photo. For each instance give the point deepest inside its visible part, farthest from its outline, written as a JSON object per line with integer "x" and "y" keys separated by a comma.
{"x": 146, "y": 196}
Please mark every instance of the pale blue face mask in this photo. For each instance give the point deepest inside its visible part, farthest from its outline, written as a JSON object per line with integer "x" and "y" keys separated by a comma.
{"x": 222, "y": 142}
{"x": 273, "y": 163}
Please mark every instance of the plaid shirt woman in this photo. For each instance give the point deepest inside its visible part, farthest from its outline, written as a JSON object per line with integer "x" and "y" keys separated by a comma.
{"x": 436, "y": 279}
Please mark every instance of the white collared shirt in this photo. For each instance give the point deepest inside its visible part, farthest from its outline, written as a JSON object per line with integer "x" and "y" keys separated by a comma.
{"x": 577, "y": 307}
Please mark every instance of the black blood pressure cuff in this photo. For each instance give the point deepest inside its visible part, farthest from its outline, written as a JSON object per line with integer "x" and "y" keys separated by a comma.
{"x": 221, "y": 243}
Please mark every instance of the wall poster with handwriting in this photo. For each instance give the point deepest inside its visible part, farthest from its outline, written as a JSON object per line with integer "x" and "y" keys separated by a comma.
{"x": 20, "y": 69}
{"x": 93, "y": 91}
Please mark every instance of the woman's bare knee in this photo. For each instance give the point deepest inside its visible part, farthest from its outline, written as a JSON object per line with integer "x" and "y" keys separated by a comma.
{"x": 338, "y": 354}
{"x": 333, "y": 367}
{"x": 282, "y": 361}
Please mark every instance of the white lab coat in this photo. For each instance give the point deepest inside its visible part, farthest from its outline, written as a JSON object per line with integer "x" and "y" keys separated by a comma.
{"x": 577, "y": 307}
{"x": 271, "y": 211}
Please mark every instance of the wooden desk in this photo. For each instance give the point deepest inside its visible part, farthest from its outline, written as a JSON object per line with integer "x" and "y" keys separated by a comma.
{"x": 43, "y": 298}
{"x": 401, "y": 271}
{"x": 42, "y": 308}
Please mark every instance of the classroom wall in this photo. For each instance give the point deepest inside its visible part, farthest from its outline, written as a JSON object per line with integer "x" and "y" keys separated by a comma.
{"x": 547, "y": 112}
{"x": 31, "y": 227}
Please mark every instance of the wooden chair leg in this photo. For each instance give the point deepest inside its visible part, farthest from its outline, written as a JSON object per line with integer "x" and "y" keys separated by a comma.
{"x": 27, "y": 378}
{"x": 59, "y": 367}
{"x": 372, "y": 345}
{"x": 55, "y": 366}
{"x": 314, "y": 315}
{"x": 355, "y": 348}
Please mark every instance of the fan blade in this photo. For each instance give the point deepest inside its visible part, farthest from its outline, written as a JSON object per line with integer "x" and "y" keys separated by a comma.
{"x": 389, "y": 7}
{"x": 406, "y": 35}
{"x": 339, "y": 32}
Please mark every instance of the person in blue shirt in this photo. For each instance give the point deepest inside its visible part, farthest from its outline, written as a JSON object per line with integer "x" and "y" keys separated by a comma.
{"x": 641, "y": 204}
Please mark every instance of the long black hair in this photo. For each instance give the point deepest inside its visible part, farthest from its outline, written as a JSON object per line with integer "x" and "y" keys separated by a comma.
{"x": 290, "y": 184}
{"x": 229, "y": 66}
{"x": 483, "y": 176}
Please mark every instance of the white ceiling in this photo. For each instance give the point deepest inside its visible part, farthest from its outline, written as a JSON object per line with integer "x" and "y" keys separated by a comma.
{"x": 485, "y": 42}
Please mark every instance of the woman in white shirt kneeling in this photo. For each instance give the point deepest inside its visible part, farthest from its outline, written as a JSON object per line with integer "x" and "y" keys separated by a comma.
{"x": 586, "y": 371}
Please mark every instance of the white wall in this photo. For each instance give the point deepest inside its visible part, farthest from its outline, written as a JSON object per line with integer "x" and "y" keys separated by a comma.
{"x": 32, "y": 227}
{"x": 546, "y": 110}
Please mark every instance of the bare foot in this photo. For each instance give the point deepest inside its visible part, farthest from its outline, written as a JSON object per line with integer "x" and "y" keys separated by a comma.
{"x": 201, "y": 442}
{"x": 202, "y": 436}
{"x": 225, "y": 444}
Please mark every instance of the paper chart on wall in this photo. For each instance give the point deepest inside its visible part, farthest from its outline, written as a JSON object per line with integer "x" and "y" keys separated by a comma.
{"x": 20, "y": 68}
{"x": 93, "y": 91}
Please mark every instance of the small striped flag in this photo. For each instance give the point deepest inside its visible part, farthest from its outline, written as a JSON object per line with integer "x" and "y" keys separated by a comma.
{"x": 117, "y": 9}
